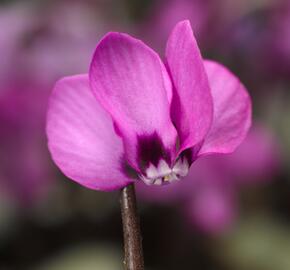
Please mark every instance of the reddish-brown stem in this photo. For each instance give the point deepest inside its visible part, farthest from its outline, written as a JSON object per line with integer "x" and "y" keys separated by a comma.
{"x": 133, "y": 258}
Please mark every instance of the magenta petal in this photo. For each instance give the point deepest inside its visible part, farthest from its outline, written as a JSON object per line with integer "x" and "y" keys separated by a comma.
{"x": 232, "y": 111}
{"x": 132, "y": 84}
{"x": 192, "y": 102}
{"x": 81, "y": 136}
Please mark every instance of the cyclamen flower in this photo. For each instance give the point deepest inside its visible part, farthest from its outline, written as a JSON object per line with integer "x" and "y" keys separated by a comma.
{"x": 134, "y": 118}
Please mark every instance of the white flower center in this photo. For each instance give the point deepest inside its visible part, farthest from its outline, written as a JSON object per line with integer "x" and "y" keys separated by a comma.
{"x": 163, "y": 174}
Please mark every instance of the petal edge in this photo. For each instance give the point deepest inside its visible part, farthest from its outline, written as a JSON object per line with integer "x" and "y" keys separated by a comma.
{"x": 232, "y": 111}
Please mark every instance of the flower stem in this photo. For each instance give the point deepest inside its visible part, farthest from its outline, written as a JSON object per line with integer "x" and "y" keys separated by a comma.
{"x": 131, "y": 230}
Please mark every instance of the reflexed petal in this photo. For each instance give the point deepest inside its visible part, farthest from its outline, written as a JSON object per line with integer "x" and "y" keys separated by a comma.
{"x": 81, "y": 136}
{"x": 132, "y": 84}
{"x": 192, "y": 102}
{"x": 232, "y": 111}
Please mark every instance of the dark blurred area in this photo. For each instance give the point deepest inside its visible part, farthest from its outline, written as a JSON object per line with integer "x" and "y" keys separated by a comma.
{"x": 234, "y": 214}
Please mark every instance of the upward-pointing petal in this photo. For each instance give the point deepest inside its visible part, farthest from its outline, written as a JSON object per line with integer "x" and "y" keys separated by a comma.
{"x": 192, "y": 102}
{"x": 81, "y": 137}
{"x": 132, "y": 84}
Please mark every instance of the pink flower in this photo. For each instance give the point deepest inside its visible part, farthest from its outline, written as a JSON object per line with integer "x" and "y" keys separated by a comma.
{"x": 134, "y": 118}
{"x": 208, "y": 194}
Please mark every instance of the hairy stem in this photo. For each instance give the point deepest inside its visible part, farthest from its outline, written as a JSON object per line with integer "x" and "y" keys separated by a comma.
{"x": 131, "y": 230}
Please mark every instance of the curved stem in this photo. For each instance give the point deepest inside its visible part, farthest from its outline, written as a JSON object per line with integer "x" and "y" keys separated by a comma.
{"x": 131, "y": 230}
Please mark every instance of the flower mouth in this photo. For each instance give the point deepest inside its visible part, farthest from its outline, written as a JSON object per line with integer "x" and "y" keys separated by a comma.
{"x": 163, "y": 174}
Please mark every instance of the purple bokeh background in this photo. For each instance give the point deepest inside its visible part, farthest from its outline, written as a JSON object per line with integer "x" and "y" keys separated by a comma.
{"x": 42, "y": 41}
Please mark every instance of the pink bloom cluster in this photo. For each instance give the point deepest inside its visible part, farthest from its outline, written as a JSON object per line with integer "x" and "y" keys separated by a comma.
{"x": 137, "y": 118}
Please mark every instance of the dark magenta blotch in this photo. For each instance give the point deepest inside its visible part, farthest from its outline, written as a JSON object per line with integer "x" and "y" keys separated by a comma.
{"x": 150, "y": 149}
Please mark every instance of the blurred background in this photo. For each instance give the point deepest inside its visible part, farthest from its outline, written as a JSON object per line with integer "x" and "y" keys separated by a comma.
{"x": 234, "y": 214}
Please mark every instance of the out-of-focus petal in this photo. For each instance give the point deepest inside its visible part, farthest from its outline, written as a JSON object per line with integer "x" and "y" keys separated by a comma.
{"x": 26, "y": 172}
{"x": 212, "y": 209}
{"x": 132, "y": 84}
{"x": 256, "y": 159}
{"x": 81, "y": 137}
{"x": 232, "y": 111}
{"x": 192, "y": 106}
